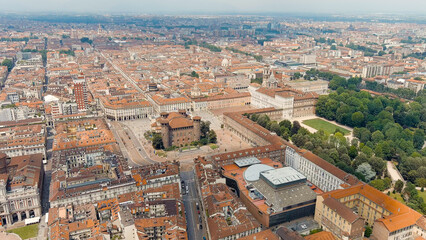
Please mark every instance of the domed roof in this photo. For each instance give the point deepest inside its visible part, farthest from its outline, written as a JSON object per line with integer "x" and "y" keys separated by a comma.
{"x": 252, "y": 173}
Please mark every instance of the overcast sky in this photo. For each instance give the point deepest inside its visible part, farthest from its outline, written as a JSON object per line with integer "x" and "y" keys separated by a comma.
{"x": 216, "y": 6}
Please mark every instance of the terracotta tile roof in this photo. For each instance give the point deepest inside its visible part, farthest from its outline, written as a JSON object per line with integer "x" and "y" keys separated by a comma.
{"x": 341, "y": 209}
{"x": 346, "y": 177}
{"x": 263, "y": 235}
{"x": 401, "y": 215}
{"x": 324, "y": 235}
{"x": 288, "y": 234}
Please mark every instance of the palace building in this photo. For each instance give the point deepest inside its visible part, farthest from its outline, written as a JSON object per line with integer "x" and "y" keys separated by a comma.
{"x": 21, "y": 181}
{"x": 178, "y": 129}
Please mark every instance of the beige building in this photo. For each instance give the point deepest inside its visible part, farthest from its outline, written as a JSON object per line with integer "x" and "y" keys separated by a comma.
{"x": 319, "y": 87}
{"x": 125, "y": 109}
{"x": 221, "y": 101}
{"x": 415, "y": 85}
{"x": 344, "y": 212}
{"x": 23, "y": 140}
{"x": 293, "y": 103}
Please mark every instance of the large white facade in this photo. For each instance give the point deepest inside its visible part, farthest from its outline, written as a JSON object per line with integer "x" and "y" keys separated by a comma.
{"x": 126, "y": 113}
{"x": 314, "y": 173}
{"x": 260, "y": 100}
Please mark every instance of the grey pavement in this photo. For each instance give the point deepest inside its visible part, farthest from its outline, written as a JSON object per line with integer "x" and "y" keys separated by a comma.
{"x": 215, "y": 121}
{"x": 393, "y": 172}
{"x": 193, "y": 219}
{"x": 138, "y": 145}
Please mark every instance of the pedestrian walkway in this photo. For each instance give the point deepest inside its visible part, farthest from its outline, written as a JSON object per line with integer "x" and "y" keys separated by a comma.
{"x": 393, "y": 172}
{"x": 9, "y": 236}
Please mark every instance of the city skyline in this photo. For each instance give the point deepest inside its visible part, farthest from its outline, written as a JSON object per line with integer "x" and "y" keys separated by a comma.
{"x": 228, "y": 121}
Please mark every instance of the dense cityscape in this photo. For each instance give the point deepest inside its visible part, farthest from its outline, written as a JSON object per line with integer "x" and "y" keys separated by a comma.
{"x": 216, "y": 127}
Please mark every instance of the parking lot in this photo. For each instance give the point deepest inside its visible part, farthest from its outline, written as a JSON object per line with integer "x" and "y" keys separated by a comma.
{"x": 303, "y": 225}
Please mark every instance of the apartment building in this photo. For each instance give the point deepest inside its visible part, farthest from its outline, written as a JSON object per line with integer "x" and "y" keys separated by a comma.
{"x": 123, "y": 182}
{"x": 80, "y": 92}
{"x": 159, "y": 219}
{"x": 23, "y": 140}
{"x": 415, "y": 85}
{"x": 82, "y": 133}
{"x": 227, "y": 217}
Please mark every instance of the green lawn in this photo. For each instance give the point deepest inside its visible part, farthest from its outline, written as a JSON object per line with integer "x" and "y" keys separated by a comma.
{"x": 397, "y": 196}
{"x": 213, "y": 146}
{"x": 26, "y": 232}
{"x": 422, "y": 195}
{"x": 327, "y": 127}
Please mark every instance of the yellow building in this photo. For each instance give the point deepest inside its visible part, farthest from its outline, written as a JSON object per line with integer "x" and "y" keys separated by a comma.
{"x": 344, "y": 212}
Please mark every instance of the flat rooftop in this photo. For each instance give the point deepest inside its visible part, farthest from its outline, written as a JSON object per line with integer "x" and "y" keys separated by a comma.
{"x": 282, "y": 176}
{"x": 253, "y": 172}
{"x": 244, "y": 162}
{"x": 283, "y": 198}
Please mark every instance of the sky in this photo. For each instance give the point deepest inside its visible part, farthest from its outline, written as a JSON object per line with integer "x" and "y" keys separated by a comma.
{"x": 216, "y": 6}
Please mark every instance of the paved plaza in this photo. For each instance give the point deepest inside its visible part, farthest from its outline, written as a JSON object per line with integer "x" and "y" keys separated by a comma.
{"x": 140, "y": 151}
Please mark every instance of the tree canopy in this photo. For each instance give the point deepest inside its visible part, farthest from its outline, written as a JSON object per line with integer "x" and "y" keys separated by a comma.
{"x": 8, "y": 63}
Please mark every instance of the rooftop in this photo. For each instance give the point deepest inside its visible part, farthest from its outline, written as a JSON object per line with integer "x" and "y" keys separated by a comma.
{"x": 244, "y": 162}
{"x": 253, "y": 172}
{"x": 282, "y": 176}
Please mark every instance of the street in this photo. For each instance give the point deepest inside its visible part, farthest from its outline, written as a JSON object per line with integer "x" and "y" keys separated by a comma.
{"x": 43, "y": 228}
{"x": 130, "y": 145}
{"x": 190, "y": 200}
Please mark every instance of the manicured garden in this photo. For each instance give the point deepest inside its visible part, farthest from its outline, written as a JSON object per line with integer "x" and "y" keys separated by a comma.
{"x": 397, "y": 196}
{"x": 26, "y": 232}
{"x": 422, "y": 195}
{"x": 327, "y": 127}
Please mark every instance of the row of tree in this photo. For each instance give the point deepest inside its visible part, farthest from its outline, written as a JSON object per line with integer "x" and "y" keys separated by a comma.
{"x": 367, "y": 51}
{"x": 334, "y": 149}
{"x": 285, "y": 128}
{"x": 211, "y": 47}
{"x": 257, "y": 57}
{"x": 400, "y": 92}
